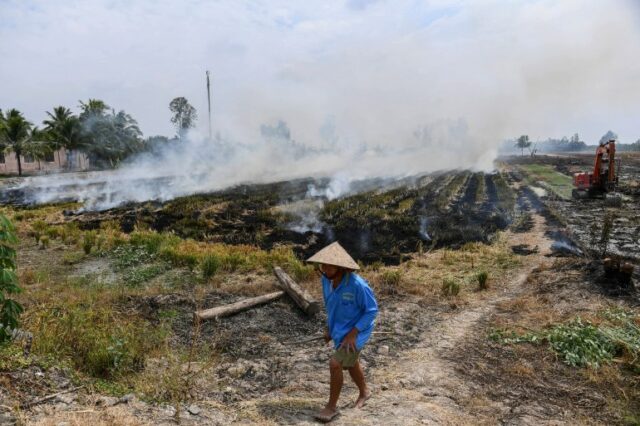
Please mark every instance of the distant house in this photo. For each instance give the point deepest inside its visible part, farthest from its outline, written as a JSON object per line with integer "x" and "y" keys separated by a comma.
{"x": 53, "y": 162}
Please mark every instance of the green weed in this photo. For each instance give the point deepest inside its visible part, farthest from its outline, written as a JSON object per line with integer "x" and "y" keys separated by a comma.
{"x": 143, "y": 274}
{"x": 10, "y": 309}
{"x": 44, "y": 242}
{"x": 390, "y": 282}
{"x": 126, "y": 256}
{"x": 109, "y": 387}
{"x": 209, "y": 266}
{"x": 38, "y": 228}
{"x": 580, "y": 343}
{"x": 96, "y": 339}
{"x": 482, "y": 278}
{"x": 72, "y": 257}
{"x": 88, "y": 241}
{"x": 12, "y": 357}
{"x": 450, "y": 287}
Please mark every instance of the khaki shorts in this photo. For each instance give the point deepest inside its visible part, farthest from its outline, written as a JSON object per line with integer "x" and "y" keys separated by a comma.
{"x": 346, "y": 359}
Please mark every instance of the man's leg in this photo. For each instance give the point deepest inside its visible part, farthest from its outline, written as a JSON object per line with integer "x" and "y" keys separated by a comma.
{"x": 358, "y": 378}
{"x": 335, "y": 368}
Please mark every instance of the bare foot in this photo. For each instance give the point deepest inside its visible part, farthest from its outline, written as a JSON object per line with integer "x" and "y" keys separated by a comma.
{"x": 362, "y": 399}
{"x": 326, "y": 414}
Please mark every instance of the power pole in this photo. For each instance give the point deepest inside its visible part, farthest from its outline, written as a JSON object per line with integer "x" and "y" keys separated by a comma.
{"x": 209, "y": 102}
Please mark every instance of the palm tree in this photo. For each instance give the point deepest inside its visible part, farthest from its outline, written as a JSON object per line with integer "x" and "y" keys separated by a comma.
{"x": 53, "y": 127}
{"x": 114, "y": 137}
{"x": 64, "y": 130}
{"x": 38, "y": 146}
{"x": 15, "y": 134}
{"x": 93, "y": 108}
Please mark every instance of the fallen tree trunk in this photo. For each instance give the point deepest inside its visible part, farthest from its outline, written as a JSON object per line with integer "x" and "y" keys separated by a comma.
{"x": 234, "y": 308}
{"x": 302, "y": 298}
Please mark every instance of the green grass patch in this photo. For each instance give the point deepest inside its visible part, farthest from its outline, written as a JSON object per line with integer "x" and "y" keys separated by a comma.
{"x": 559, "y": 183}
{"x": 111, "y": 388}
{"x": 94, "y": 337}
{"x": 128, "y": 256}
{"x": 12, "y": 357}
{"x": 581, "y": 343}
{"x": 141, "y": 275}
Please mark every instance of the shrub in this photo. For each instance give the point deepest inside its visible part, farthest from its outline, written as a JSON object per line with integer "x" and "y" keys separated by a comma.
{"x": 44, "y": 242}
{"x": 97, "y": 340}
{"x": 581, "y": 343}
{"x": 52, "y": 232}
{"x": 389, "y": 282}
{"x": 177, "y": 258}
{"x": 89, "y": 241}
{"x": 482, "y": 278}
{"x": 153, "y": 241}
{"x": 301, "y": 271}
{"x": 10, "y": 310}
{"x": 101, "y": 240}
{"x": 450, "y": 287}
{"x": 232, "y": 261}
{"x": 141, "y": 275}
{"x": 72, "y": 257}
{"x": 210, "y": 264}
{"x": 38, "y": 228}
{"x": 70, "y": 233}
{"x": 126, "y": 256}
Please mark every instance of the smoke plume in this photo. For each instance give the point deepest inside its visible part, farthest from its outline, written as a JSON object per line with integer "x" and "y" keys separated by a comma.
{"x": 347, "y": 91}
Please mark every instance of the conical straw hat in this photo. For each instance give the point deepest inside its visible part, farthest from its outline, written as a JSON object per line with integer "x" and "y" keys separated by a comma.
{"x": 334, "y": 254}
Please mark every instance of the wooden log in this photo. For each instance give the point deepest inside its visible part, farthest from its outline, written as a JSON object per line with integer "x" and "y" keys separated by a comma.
{"x": 302, "y": 298}
{"x": 234, "y": 308}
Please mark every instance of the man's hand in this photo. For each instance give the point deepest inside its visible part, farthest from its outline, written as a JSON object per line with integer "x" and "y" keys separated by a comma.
{"x": 349, "y": 341}
{"x": 327, "y": 336}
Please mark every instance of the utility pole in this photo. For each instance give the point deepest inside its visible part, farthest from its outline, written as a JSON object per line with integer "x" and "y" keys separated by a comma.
{"x": 209, "y": 102}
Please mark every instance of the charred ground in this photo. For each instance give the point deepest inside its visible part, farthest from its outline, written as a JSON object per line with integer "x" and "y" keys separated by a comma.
{"x": 137, "y": 285}
{"x": 384, "y": 224}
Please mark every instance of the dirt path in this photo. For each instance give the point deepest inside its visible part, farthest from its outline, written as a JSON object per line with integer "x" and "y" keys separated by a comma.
{"x": 422, "y": 386}
{"x": 419, "y": 386}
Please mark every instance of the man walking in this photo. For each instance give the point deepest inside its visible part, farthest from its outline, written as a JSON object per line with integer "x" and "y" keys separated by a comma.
{"x": 351, "y": 311}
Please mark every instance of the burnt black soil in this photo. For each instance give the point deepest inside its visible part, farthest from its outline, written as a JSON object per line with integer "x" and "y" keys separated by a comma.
{"x": 432, "y": 213}
{"x": 267, "y": 342}
{"x": 384, "y": 221}
{"x": 582, "y": 221}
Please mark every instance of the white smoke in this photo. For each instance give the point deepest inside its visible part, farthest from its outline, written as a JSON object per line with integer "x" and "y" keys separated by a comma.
{"x": 367, "y": 89}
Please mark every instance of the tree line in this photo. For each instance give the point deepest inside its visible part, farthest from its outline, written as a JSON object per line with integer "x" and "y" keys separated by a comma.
{"x": 105, "y": 136}
{"x": 565, "y": 144}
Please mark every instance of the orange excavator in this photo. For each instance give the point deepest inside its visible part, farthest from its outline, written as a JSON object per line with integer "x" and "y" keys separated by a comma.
{"x": 604, "y": 178}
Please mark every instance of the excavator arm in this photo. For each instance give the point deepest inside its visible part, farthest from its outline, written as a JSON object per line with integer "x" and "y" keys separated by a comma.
{"x": 603, "y": 179}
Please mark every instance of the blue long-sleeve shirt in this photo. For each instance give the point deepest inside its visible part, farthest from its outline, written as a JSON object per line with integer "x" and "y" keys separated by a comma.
{"x": 351, "y": 304}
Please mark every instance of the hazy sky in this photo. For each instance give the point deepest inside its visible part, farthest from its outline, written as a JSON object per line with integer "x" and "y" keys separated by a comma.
{"x": 376, "y": 71}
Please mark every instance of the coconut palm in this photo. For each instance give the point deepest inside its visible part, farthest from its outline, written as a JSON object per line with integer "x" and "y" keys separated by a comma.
{"x": 15, "y": 134}
{"x": 93, "y": 108}
{"x": 64, "y": 130}
{"x": 114, "y": 137}
{"x": 38, "y": 146}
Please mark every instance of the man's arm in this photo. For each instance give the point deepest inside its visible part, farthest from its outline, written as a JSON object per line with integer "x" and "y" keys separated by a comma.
{"x": 369, "y": 309}
{"x": 369, "y": 313}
